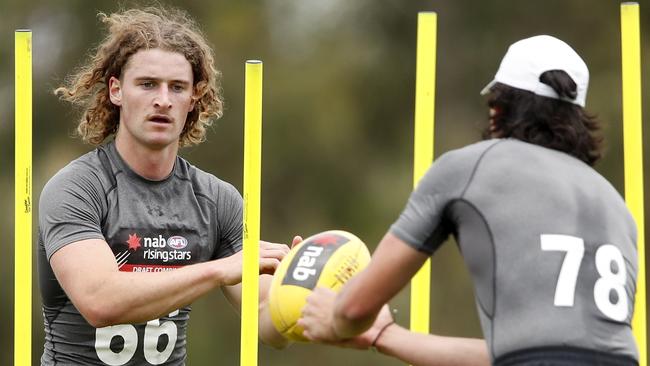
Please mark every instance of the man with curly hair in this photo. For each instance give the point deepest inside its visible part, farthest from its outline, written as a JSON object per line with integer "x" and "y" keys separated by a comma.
{"x": 130, "y": 233}
{"x": 549, "y": 243}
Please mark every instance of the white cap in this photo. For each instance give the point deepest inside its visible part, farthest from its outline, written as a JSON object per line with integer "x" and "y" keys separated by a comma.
{"x": 528, "y": 59}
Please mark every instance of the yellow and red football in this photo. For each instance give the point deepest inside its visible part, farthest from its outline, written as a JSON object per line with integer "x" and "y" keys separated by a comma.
{"x": 328, "y": 259}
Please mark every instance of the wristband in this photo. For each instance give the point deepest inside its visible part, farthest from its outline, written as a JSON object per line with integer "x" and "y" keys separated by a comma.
{"x": 374, "y": 342}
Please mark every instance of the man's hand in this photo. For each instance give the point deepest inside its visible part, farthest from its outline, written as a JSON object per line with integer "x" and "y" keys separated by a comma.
{"x": 270, "y": 256}
{"x": 317, "y": 316}
{"x": 317, "y": 322}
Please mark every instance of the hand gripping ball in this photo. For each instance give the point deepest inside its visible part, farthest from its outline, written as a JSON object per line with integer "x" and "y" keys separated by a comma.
{"x": 328, "y": 259}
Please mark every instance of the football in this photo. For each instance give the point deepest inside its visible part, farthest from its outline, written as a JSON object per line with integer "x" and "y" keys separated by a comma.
{"x": 328, "y": 259}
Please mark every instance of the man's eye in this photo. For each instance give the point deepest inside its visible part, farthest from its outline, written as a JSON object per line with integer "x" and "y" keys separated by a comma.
{"x": 147, "y": 84}
{"x": 178, "y": 88}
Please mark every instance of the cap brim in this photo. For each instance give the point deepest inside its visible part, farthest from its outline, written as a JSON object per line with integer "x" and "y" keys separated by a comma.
{"x": 488, "y": 87}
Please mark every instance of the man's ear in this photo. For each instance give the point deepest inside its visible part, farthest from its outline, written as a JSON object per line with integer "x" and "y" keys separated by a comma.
{"x": 115, "y": 91}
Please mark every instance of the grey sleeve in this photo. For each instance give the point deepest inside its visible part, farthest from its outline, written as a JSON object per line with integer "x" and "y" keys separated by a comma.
{"x": 229, "y": 220}
{"x": 70, "y": 209}
{"x": 423, "y": 223}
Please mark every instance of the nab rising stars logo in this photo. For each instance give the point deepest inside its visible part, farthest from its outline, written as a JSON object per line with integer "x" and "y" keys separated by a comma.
{"x": 156, "y": 249}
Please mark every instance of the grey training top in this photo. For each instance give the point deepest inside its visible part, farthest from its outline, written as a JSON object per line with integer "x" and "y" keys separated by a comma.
{"x": 549, "y": 243}
{"x": 151, "y": 226}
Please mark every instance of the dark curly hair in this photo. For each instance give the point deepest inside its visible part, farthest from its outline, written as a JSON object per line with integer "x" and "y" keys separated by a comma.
{"x": 548, "y": 122}
{"x": 130, "y": 31}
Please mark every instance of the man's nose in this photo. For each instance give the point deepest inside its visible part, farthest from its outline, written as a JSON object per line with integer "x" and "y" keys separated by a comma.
{"x": 162, "y": 100}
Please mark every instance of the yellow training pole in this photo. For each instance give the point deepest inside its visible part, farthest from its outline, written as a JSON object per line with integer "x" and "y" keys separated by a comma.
{"x": 23, "y": 201}
{"x": 633, "y": 146}
{"x": 425, "y": 87}
{"x": 252, "y": 178}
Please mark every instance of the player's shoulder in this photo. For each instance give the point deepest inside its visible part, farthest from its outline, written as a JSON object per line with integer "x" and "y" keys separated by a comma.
{"x": 468, "y": 156}
{"x": 476, "y": 149}
{"x": 505, "y": 151}
{"x": 84, "y": 171}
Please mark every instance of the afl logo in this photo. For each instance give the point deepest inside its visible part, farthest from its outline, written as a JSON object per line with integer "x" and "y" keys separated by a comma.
{"x": 177, "y": 242}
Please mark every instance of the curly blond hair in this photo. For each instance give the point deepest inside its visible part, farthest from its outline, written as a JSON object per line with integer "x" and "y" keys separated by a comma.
{"x": 129, "y": 31}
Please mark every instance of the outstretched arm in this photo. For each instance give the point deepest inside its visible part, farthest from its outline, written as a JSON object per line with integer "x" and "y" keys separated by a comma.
{"x": 431, "y": 350}
{"x": 420, "y": 349}
{"x": 393, "y": 340}
{"x": 89, "y": 274}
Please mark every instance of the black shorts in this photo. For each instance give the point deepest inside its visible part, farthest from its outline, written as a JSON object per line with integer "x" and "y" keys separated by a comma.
{"x": 563, "y": 356}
